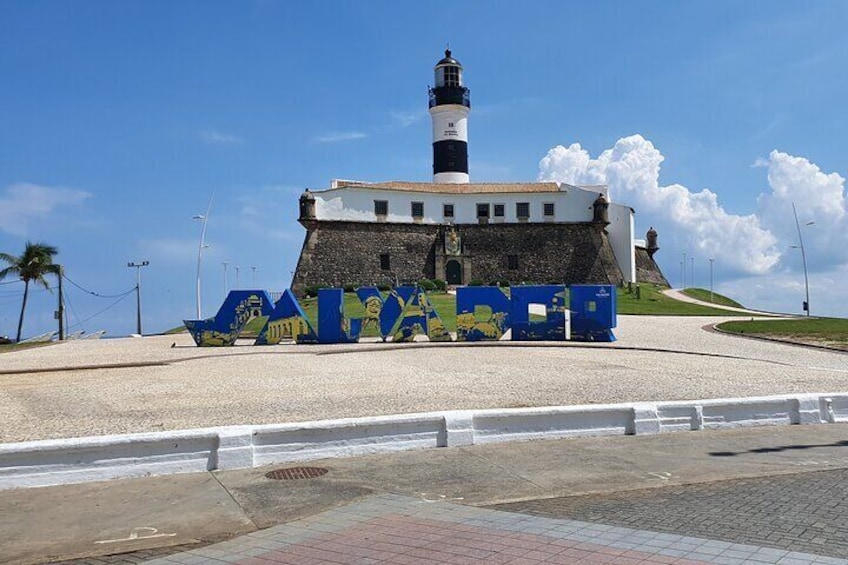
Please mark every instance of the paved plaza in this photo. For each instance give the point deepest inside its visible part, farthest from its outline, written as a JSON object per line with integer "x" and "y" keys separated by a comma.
{"x": 158, "y": 387}
{"x": 394, "y": 529}
{"x": 771, "y": 493}
{"x": 761, "y": 495}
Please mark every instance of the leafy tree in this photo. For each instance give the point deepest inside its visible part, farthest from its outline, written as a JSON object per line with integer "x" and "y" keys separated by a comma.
{"x": 35, "y": 262}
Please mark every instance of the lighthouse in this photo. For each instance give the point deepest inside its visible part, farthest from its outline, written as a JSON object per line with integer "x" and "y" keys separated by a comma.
{"x": 450, "y": 103}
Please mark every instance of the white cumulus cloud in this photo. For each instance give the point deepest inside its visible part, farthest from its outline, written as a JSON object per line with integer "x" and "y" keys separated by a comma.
{"x": 820, "y": 200}
{"x": 24, "y": 203}
{"x": 631, "y": 169}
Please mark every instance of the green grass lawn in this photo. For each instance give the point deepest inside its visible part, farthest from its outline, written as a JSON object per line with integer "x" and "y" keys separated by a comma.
{"x": 818, "y": 331}
{"x": 651, "y": 301}
{"x": 10, "y": 347}
{"x": 703, "y": 294}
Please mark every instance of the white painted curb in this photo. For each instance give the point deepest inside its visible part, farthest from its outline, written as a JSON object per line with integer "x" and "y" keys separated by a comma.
{"x": 67, "y": 461}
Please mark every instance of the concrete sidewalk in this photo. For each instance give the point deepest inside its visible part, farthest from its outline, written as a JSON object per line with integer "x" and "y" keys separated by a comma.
{"x": 678, "y": 294}
{"x": 121, "y": 517}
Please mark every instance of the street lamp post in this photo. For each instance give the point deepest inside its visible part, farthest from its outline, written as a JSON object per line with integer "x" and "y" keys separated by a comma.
{"x": 692, "y": 278}
{"x": 138, "y": 267}
{"x": 238, "y": 284}
{"x": 203, "y": 219}
{"x": 803, "y": 260}
{"x": 684, "y": 270}
{"x": 226, "y": 280}
{"x": 254, "y": 276}
{"x": 712, "y": 260}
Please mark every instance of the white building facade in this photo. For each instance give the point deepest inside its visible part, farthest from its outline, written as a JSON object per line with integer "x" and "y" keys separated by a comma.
{"x": 491, "y": 203}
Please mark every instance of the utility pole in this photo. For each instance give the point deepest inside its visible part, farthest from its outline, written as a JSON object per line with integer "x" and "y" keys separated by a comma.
{"x": 254, "y": 276}
{"x": 138, "y": 267}
{"x": 238, "y": 284}
{"x": 684, "y": 270}
{"x": 60, "y": 313}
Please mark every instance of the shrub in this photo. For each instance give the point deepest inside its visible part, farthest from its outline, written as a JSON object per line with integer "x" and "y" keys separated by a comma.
{"x": 350, "y": 287}
{"x": 427, "y": 285}
{"x": 311, "y": 291}
{"x": 503, "y": 283}
{"x": 475, "y": 282}
{"x": 440, "y": 284}
{"x": 384, "y": 286}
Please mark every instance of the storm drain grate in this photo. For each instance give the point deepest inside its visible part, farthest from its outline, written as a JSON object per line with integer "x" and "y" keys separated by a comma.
{"x": 295, "y": 473}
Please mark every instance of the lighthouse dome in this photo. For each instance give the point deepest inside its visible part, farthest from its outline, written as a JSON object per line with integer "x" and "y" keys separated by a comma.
{"x": 449, "y": 60}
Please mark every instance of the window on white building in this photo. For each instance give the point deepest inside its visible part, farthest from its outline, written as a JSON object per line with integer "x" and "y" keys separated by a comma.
{"x": 498, "y": 210}
{"x": 548, "y": 209}
{"x": 522, "y": 210}
{"x": 447, "y": 210}
{"x": 417, "y": 209}
{"x": 381, "y": 207}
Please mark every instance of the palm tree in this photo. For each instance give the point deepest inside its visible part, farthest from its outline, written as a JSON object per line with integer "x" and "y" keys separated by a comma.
{"x": 35, "y": 262}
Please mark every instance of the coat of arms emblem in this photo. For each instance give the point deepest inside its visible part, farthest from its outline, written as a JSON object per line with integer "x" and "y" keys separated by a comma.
{"x": 453, "y": 245}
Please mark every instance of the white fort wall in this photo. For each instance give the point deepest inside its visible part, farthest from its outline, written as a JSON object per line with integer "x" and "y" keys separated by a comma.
{"x": 357, "y": 204}
{"x": 571, "y": 204}
{"x": 66, "y": 461}
{"x": 621, "y": 240}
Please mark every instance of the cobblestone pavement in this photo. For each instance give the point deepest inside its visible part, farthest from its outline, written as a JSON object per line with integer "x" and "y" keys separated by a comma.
{"x": 803, "y": 512}
{"x": 296, "y": 383}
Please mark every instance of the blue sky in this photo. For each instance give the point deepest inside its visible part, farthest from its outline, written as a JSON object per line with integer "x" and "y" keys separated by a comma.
{"x": 118, "y": 120}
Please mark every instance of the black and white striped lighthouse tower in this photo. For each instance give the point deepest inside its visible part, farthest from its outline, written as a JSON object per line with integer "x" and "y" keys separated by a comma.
{"x": 450, "y": 103}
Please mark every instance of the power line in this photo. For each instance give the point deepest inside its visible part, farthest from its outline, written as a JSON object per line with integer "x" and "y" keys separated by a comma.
{"x": 67, "y": 298}
{"x": 97, "y": 294}
{"x": 118, "y": 301}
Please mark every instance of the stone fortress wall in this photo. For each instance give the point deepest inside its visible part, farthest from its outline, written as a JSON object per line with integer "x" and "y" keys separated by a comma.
{"x": 647, "y": 270}
{"x": 338, "y": 253}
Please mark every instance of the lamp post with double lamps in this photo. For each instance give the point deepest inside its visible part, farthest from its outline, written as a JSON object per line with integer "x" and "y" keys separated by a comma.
{"x": 203, "y": 218}
{"x": 803, "y": 259}
{"x": 138, "y": 267}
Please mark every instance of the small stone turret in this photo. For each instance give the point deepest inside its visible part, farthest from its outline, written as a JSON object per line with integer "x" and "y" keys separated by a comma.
{"x": 601, "y": 210}
{"x": 307, "y": 207}
{"x": 651, "y": 242}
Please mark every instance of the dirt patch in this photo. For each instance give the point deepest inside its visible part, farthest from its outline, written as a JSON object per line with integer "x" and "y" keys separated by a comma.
{"x": 842, "y": 345}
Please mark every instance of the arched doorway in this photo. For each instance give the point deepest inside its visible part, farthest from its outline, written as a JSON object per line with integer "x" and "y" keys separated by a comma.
{"x": 453, "y": 272}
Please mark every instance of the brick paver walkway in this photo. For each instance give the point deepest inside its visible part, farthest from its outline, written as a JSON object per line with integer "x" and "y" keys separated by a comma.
{"x": 406, "y": 531}
{"x": 801, "y": 512}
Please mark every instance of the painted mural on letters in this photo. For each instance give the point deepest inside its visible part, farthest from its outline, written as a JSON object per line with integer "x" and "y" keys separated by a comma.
{"x": 482, "y": 314}
{"x": 225, "y": 326}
